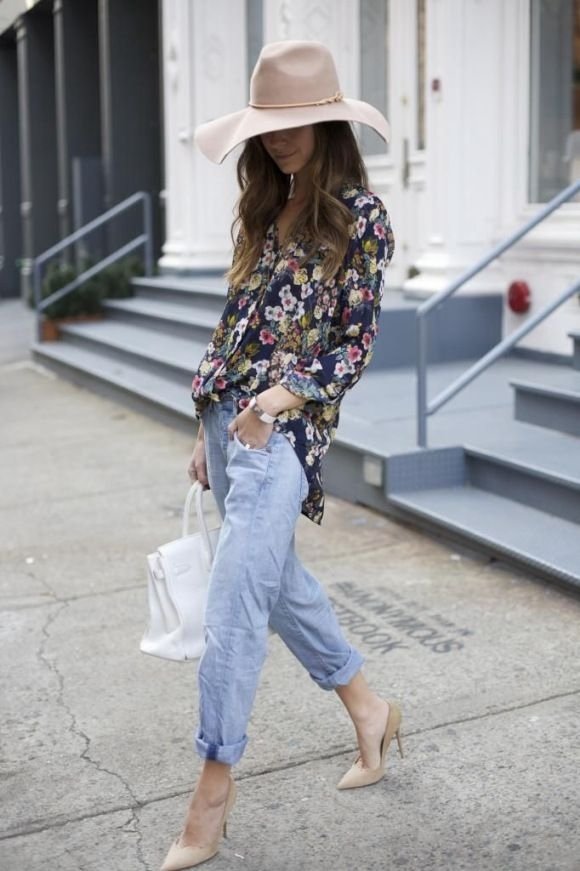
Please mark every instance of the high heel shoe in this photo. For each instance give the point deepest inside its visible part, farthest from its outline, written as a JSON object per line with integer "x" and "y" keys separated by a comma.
{"x": 180, "y": 857}
{"x": 358, "y": 776}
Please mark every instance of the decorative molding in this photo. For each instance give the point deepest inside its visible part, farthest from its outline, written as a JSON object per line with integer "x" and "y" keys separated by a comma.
{"x": 333, "y": 22}
{"x": 285, "y": 19}
{"x": 317, "y": 20}
{"x": 555, "y": 240}
{"x": 213, "y": 58}
{"x": 205, "y": 76}
{"x": 381, "y": 173}
{"x": 172, "y": 61}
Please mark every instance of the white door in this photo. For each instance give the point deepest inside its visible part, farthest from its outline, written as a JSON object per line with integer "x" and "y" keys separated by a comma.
{"x": 392, "y": 77}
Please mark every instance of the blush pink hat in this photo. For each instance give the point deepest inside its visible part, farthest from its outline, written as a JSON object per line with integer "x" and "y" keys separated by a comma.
{"x": 293, "y": 83}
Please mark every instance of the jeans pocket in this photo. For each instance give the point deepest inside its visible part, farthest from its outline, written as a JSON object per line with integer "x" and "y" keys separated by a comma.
{"x": 267, "y": 449}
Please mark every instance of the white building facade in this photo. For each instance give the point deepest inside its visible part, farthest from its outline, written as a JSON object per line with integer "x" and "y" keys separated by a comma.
{"x": 483, "y": 97}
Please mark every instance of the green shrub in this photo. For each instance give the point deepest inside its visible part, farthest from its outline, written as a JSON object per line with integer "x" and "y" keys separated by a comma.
{"x": 116, "y": 278}
{"x": 113, "y": 282}
{"x": 56, "y": 276}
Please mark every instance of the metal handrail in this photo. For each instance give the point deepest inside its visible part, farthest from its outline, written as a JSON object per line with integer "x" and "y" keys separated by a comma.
{"x": 145, "y": 239}
{"x": 425, "y": 408}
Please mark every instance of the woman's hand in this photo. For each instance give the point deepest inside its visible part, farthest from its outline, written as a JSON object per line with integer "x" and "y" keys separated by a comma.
{"x": 255, "y": 432}
{"x": 197, "y": 469}
{"x": 251, "y": 430}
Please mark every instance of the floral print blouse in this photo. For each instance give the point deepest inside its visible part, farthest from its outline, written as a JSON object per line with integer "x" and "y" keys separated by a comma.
{"x": 285, "y": 326}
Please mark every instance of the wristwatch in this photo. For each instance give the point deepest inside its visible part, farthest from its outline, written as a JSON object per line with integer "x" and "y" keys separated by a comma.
{"x": 263, "y": 415}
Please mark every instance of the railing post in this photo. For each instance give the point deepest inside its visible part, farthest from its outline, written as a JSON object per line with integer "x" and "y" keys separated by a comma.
{"x": 422, "y": 381}
{"x": 36, "y": 283}
{"x": 144, "y": 240}
{"x": 423, "y": 408}
{"x": 148, "y": 231}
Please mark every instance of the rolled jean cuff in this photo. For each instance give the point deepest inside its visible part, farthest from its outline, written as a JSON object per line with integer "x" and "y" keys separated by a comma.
{"x": 227, "y": 753}
{"x": 344, "y": 674}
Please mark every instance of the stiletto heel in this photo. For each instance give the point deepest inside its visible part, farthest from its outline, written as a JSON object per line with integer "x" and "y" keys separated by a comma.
{"x": 179, "y": 857}
{"x": 398, "y": 737}
{"x": 358, "y": 776}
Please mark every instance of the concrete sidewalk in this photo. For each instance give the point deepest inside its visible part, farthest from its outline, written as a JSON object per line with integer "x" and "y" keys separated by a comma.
{"x": 98, "y": 758}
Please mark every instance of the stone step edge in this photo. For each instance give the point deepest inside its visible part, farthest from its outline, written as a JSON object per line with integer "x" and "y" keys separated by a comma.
{"x": 405, "y": 503}
{"x": 131, "y": 350}
{"x": 189, "y": 317}
{"x": 192, "y": 289}
{"x": 546, "y": 390}
{"x": 469, "y": 450}
{"x": 520, "y": 466}
{"x": 40, "y": 351}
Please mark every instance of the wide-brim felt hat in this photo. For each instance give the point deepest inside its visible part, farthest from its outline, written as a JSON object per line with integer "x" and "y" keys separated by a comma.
{"x": 294, "y": 83}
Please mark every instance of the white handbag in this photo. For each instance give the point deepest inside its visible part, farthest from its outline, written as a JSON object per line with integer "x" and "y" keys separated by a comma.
{"x": 178, "y": 578}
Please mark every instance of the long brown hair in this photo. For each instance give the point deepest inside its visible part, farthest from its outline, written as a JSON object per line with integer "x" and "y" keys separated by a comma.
{"x": 325, "y": 220}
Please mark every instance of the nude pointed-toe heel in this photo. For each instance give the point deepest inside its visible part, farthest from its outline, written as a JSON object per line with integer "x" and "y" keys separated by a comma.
{"x": 358, "y": 776}
{"x": 180, "y": 857}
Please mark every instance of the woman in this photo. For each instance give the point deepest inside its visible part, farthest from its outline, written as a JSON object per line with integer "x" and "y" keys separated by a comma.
{"x": 298, "y": 328}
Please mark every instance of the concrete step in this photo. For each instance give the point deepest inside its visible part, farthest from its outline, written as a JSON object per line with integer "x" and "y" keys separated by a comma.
{"x": 152, "y": 372}
{"x": 165, "y": 398}
{"x": 190, "y": 307}
{"x": 167, "y": 318}
{"x": 575, "y": 336}
{"x": 170, "y": 356}
{"x": 208, "y": 291}
{"x": 536, "y": 476}
{"x": 467, "y": 329}
{"x": 194, "y": 272}
{"x": 533, "y": 539}
{"x": 553, "y": 402}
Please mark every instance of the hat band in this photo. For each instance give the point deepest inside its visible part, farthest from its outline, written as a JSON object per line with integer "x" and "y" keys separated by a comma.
{"x": 335, "y": 99}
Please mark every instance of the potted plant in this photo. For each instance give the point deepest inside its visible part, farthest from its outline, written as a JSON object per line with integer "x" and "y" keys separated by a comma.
{"x": 84, "y": 303}
{"x": 115, "y": 280}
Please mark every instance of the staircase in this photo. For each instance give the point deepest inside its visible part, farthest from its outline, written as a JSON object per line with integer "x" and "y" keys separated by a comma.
{"x": 555, "y": 403}
{"x": 505, "y": 483}
{"x": 148, "y": 346}
{"x": 515, "y": 491}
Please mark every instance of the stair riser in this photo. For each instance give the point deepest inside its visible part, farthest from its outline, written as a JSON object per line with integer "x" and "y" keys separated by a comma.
{"x": 576, "y": 356}
{"x": 479, "y": 544}
{"x": 343, "y": 473}
{"x": 552, "y": 412}
{"x": 176, "y": 374}
{"x": 344, "y": 478}
{"x": 167, "y": 274}
{"x": 464, "y": 329}
{"x": 126, "y": 398}
{"x": 208, "y": 301}
{"x": 525, "y": 487}
{"x": 167, "y": 327}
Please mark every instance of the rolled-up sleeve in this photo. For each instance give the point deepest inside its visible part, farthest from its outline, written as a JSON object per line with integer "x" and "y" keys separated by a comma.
{"x": 326, "y": 377}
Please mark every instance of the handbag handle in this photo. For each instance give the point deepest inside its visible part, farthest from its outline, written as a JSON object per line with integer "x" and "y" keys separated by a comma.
{"x": 196, "y": 491}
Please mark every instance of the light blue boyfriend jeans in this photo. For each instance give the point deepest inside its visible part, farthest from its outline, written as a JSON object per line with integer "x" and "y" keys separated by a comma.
{"x": 257, "y": 580}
